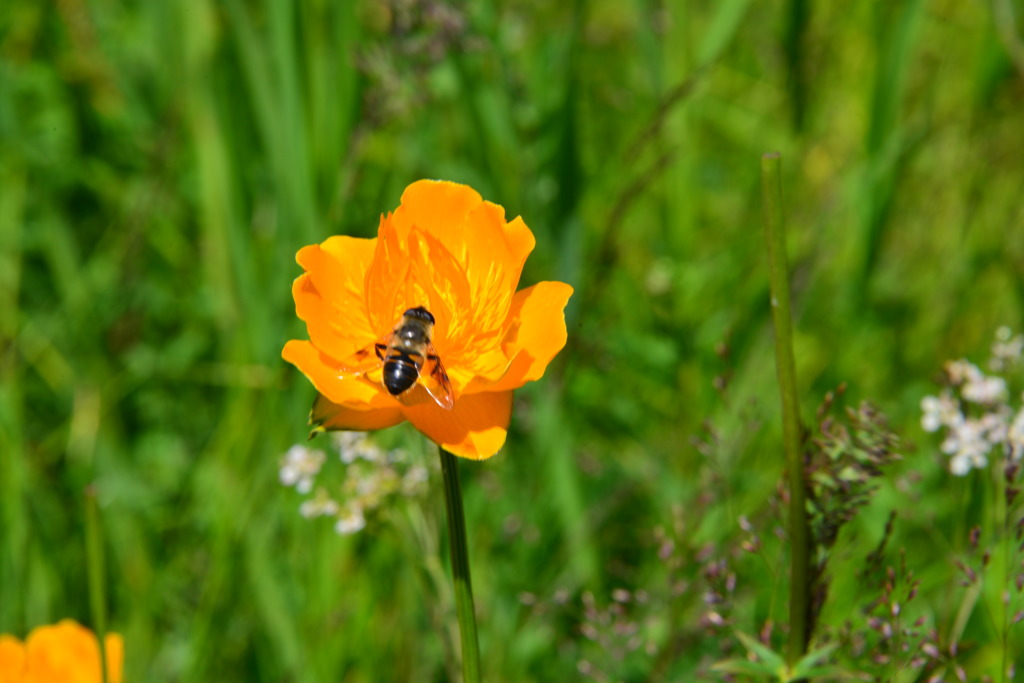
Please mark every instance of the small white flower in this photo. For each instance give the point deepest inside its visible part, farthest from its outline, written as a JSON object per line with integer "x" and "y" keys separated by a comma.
{"x": 348, "y": 444}
{"x": 353, "y": 446}
{"x": 968, "y": 440}
{"x": 960, "y": 466}
{"x": 1015, "y": 435}
{"x": 320, "y": 506}
{"x": 1006, "y": 349}
{"x": 373, "y": 453}
{"x": 984, "y": 390}
{"x": 350, "y": 521}
{"x": 940, "y": 411}
{"x": 968, "y": 445}
{"x": 300, "y": 466}
{"x": 962, "y": 463}
{"x": 373, "y": 478}
{"x": 959, "y": 371}
{"x": 994, "y": 426}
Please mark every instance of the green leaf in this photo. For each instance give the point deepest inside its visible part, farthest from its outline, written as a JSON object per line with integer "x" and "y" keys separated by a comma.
{"x": 772, "y": 659}
{"x": 743, "y": 666}
{"x": 807, "y": 667}
{"x": 829, "y": 672}
{"x": 809, "y": 660}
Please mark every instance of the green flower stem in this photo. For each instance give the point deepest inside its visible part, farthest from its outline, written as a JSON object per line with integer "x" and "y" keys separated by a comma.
{"x": 799, "y": 531}
{"x": 460, "y": 568}
{"x": 1001, "y": 559}
{"x": 96, "y": 574}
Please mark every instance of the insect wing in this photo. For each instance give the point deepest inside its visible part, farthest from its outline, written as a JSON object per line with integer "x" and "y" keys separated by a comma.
{"x": 365, "y": 360}
{"x": 435, "y": 380}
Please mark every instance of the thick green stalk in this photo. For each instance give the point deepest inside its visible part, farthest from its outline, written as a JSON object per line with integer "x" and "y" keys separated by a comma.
{"x": 1001, "y": 561}
{"x": 460, "y": 568}
{"x": 97, "y": 575}
{"x": 799, "y": 531}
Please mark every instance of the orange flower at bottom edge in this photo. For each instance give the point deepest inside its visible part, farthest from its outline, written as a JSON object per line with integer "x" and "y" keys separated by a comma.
{"x": 12, "y": 659}
{"x": 63, "y": 653}
{"x": 452, "y": 255}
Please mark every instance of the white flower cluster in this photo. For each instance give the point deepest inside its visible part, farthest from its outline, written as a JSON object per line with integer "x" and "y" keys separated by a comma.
{"x": 1006, "y": 350}
{"x": 372, "y": 478}
{"x": 975, "y": 412}
{"x": 300, "y": 467}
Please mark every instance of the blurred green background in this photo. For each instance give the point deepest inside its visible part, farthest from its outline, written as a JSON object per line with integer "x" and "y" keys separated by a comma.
{"x": 162, "y": 162}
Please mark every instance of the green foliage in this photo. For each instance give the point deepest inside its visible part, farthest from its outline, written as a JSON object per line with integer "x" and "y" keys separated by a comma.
{"x": 162, "y": 162}
{"x": 770, "y": 665}
{"x": 844, "y": 461}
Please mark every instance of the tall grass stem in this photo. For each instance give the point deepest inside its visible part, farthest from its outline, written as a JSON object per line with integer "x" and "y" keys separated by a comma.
{"x": 799, "y": 531}
{"x": 460, "y": 568}
{"x": 96, "y": 575}
{"x": 1002, "y": 561}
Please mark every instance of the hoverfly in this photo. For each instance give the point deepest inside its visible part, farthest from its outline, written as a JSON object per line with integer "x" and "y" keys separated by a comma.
{"x": 406, "y": 355}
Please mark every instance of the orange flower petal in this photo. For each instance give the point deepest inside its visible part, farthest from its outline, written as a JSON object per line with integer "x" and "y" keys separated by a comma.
{"x": 322, "y": 371}
{"x": 328, "y": 416}
{"x": 479, "y": 371}
{"x": 319, "y": 317}
{"x": 495, "y": 247}
{"x": 12, "y": 659}
{"x": 435, "y": 206}
{"x": 70, "y": 652}
{"x": 329, "y": 297}
{"x": 386, "y": 280}
{"x": 115, "y": 657}
{"x": 540, "y": 333}
{"x": 338, "y": 266}
{"x": 520, "y": 241}
{"x": 475, "y": 428}
{"x": 439, "y": 282}
{"x": 459, "y": 216}
{"x": 491, "y": 252}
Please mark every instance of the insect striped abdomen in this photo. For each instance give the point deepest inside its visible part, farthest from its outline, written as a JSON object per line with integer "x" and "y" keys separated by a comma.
{"x": 401, "y": 370}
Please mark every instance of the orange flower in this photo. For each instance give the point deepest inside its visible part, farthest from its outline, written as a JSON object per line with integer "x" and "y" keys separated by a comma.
{"x": 65, "y": 653}
{"x": 451, "y": 253}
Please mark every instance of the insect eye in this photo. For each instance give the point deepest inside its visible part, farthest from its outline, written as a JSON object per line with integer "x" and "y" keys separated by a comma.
{"x": 421, "y": 313}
